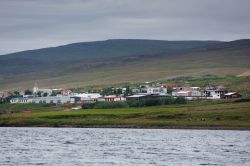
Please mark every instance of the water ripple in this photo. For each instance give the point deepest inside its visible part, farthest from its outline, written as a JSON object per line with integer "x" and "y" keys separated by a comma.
{"x": 76, "y": 146}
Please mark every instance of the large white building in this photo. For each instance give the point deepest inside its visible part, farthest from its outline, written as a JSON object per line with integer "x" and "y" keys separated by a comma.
{"x": 187, "y": 92}
{"x": 87, "y": 97}
{"x": 53, "y": 100}
{"x": 20, "y": 100}
{"x": 44, "y": 100}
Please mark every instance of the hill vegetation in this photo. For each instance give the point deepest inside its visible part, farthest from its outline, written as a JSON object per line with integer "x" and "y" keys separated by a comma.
{"x": 119, "y": 61}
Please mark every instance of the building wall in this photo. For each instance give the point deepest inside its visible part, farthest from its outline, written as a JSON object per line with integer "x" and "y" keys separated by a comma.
{"x": 214, "y": 94}
{"x": 20, "y": 100}
{"x": 110, "y": 99}
{"x": 196, "y": 93}
{"x": 182, "y": 93}
{"x": 53, "y": 100}
{"x": 233, "y": 96}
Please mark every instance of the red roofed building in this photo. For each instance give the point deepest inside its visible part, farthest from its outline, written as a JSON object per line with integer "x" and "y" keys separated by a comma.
{"x": 66, "y": 92}
{"x": 169, "y": 85}
{"x": 114, "y": 98}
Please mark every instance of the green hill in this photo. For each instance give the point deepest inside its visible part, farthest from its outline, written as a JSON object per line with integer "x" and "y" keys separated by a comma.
{"x": 124, "y": 60}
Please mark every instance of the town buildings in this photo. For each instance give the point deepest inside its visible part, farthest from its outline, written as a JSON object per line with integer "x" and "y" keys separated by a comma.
{"x": 122, "y": 94}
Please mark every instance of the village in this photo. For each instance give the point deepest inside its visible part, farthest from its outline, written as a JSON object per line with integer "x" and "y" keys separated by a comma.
{"x": 144, "y": 91}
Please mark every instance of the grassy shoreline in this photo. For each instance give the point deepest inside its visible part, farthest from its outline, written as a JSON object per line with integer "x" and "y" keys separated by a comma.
{"x": 222, "y": 115}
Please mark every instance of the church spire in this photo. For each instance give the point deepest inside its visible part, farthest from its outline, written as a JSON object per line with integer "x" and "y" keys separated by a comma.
{"x": 35, "y": 88}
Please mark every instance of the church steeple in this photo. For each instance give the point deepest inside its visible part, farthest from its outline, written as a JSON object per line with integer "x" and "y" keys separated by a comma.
{"x": 35, "y": 88}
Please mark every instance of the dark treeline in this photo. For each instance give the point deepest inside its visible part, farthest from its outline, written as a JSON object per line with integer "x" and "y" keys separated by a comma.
{"x": 135, "y": 103}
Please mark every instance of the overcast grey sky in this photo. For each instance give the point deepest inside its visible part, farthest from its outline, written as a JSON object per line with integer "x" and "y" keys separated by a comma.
{"x": 30, "y": 24}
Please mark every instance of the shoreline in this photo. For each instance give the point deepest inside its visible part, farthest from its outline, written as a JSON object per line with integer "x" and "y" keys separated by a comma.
{"x": 131, "y": 127}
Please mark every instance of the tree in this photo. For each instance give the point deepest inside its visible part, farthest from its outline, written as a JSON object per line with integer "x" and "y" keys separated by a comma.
{"x": 28, "y": 92}
{"x": 39, "y": 94}
{"x": 16, "y": 93}
{"x": 107, "y": 91}
{"x": 54, "y": 93}
{"x": 169, "y": 90}
{"x": 118, "y": 91}
{"x": 45, "y": 94}
{"x": 127, "y": 92}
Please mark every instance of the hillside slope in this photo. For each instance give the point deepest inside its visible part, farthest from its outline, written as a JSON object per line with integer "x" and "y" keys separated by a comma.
{"x": 85, "y": 52}
{"x": 117, "y": 61}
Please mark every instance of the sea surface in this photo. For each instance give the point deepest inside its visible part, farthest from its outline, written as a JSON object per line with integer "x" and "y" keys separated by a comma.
{"x": 103, "y": 146}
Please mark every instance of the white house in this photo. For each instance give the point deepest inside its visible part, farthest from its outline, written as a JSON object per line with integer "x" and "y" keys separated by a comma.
{"x": 152, "y": 90}
{"x": 196, "y": 92}
{"x": 20, "y": 100}
{"x": 187, "y": 92}
{"x": 114, "y": 98}
{"x": 214, "y": 93}
{"x": 87, "y": 97}
{"x": 184, "y": 93}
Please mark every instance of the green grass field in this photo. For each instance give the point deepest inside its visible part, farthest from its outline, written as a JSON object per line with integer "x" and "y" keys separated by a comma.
{"x": 201, "y": 114}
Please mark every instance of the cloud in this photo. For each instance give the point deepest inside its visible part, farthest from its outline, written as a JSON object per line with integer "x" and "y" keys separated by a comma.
{"x": 30, "y": 24}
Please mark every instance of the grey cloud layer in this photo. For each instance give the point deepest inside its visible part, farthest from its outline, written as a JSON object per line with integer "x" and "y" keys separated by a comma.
{"x": 29, "y": 24}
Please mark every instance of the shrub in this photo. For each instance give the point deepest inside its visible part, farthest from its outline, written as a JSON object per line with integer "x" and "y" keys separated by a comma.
{"x": 88, "y": 105}
{"x": 180, "y": 100}
{"x": 242, "y": 100}
{"x": 107, "y": 105}
{"x": 135, "y": 103}
{"x": 153, "y": 102}
{"x": 156, "y": 101}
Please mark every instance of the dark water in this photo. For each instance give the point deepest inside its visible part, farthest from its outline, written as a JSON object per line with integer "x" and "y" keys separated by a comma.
{"x": 75, "y": 146}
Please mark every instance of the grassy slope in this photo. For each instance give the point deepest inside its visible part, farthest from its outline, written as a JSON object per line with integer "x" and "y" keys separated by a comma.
{"x": 232, "y": 59}
{"x": 204, "y": 114}
{"x": 147, "y": 69}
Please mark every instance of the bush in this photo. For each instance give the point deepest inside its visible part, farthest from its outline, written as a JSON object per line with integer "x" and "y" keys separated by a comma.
{"x": 135, "y": 103}
{"x": 242, "y": 100}
{"x": 88, "y": 105}
{"x": 180, "y": 100}
{"x": 153, "y": 102}
{"x": 168, "y": 101}
{"x": 156, "y": 101}
{"x": 107, "y": 105}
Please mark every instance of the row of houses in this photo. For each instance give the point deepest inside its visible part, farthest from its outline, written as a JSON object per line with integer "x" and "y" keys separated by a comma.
{"x": 81, "y": 98}
{"x": 94, "y": 97}
{"x": 143, "y": 91}
{"x": 59, "y": 99}
{"x": 211, "y": 92}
